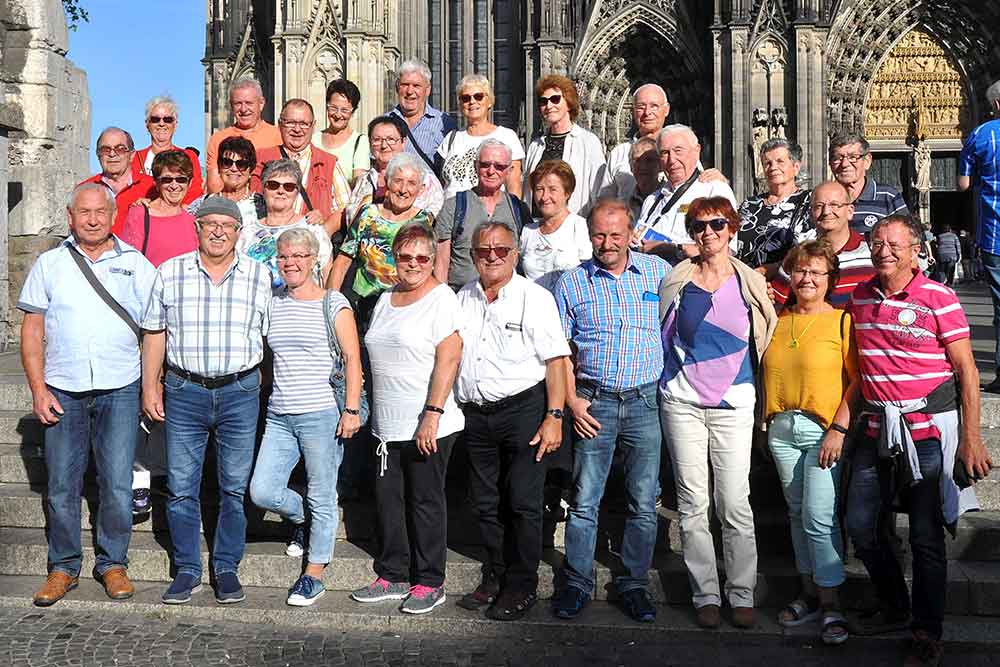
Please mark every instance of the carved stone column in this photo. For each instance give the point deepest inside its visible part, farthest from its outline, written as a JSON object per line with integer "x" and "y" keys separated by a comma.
{"x": 741, "y": 176}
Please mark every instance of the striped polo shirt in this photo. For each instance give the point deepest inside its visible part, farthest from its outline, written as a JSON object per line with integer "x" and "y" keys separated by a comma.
{"x": 901, "y": 341}
{"x": 855, "y": 268}
{"x": 874, "y": 203}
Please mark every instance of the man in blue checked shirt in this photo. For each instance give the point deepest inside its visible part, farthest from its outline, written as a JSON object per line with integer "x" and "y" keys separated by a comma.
{"x": 981, "y": 158}
{"x": 609, "y": 307}
{"x": 428, "y": 126}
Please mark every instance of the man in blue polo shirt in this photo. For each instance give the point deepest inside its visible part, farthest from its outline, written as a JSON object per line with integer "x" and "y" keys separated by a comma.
{"x": 980, "y": 159}
{"x": 428, "y": 126}
{"x": 850, "y": 159}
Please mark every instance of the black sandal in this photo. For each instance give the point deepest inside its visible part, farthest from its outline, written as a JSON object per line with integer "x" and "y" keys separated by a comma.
{"x": 512, "y": 607}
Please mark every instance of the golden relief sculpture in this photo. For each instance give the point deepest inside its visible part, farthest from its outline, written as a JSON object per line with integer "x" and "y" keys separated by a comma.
{"x": 916, "y": 94}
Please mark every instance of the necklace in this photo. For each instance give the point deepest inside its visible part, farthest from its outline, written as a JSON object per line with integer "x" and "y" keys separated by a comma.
{"x": 795, "y": 339}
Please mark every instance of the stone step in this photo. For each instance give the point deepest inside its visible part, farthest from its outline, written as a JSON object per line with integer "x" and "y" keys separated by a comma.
{"x": 973, "y": 586}
{"x": 17, "y": 426}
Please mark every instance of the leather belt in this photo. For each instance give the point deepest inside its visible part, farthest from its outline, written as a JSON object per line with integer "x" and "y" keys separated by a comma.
{"x": 207, "y": 382}
{"x": 495, "y": 406}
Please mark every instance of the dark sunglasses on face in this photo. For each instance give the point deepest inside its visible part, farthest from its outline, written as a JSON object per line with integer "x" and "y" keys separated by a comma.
{"x": 180, "y": 180}
{"x": 554, "y": 99}
{"x": 465, "y": 98}
{"x": 275, "y": 185}
{"x": 499, "y": 166}
{"x": 484, "y": 252}
{"x": 717, "y": 225}
{"x": 404, "y": 258}
{"x": 226, "y": 163}
{"x": 161, "y": 119}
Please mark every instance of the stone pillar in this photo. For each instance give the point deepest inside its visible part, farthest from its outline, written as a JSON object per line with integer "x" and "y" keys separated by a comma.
{"x": 5, "y": 327}
{"x": 742, "y": 178}
{"x": 811, "y": 101}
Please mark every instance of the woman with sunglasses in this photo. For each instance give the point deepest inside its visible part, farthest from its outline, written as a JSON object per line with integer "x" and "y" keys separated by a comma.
{"x": 460, "y": 147}
{"x": 810, "y": 380}
{"x": 162, "y": 228}
{"x": 414, "y": 347}
{"x": 237, "y": 159}
{"x": 717, "y": 320}
{"x": 161, "y": 123}
{"x": 259, "y": 239}
{"x": 563, "y": 139}
{"x": 349, "y": 147}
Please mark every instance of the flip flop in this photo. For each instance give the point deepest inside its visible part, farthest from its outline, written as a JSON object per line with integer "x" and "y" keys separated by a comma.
{"x": 835, "y": 628}
{"x": 801, "y": 613}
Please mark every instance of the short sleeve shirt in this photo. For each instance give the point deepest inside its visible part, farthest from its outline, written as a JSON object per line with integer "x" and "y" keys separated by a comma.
{"x": 461, "y": 269}
{"x": 459, "y": 150}
{"x": 369, "y": 243}
{"x": 260, "y": 243}
{"x": 544, "y": 257}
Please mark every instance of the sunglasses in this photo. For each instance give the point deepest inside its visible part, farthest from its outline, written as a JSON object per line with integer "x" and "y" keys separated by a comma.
{"x": 180, "y": 180}
{"x": 276, "y": 185}
{"x": 717, "y": 225}
{"x": 405, "y": 258}
{"x": 465, "y": 98}
{"x": 499, "y": 166}
{"x": 161, "y": 119}
{"x": 484, "y": 252}
{"x": 228, "y": 162}
{"x": 554, "y": 99}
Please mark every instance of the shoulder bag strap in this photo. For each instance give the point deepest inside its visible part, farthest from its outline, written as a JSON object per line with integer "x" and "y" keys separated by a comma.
{"x": 420, "y": 151}
{"x": 331, "y": 333}
{"x": 103, "y": 293}
{"x": 145, "y": 229}
{"x": 679, "y": 192}
{"x": 461, "y": 206}
{"x": 302, "y": 188}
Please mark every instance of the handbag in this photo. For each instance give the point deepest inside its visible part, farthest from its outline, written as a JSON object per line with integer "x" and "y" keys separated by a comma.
{"x": 338, "y": 377}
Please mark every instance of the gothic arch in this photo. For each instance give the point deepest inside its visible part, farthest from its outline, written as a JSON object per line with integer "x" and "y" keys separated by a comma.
{"x": 324, "y": 55}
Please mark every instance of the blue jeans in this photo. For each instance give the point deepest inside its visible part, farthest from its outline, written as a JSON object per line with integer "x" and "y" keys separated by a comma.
{"x": 193, "y": 413}
{"x": 867, "y": 523}
{"x": 288, "y": 438}
{"x": 811, "y": 494}
{"x": 108, "y": 422}
{"x": 628, "y": 419}
{"x": 992, "y": 265}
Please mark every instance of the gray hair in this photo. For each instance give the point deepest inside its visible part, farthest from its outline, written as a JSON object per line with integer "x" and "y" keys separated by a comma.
{"x": 475, "y": 80}
{"x": 993, "y": 93}
{"x": 246, "y": 82}
{"x": 405, "y": 161}
{"x": 414, "y": 65}
{"x": 282, "y": 168}
{"x": 634, "y": 152}
{"x": 846, "y": 139}
{"x": 301, "y": 237}
{"x": 794, "y": 150}
{"x": 88, "y": 187}
{"x": 680, "y": 129}
{"x": 114, "y": 128}
{"x": 655, "y": 86}
{"x": 164, "y": 100}
{"x": 493, "y": 143}
{"x": 912, "y": 225}
{"x": 487, "y": 225}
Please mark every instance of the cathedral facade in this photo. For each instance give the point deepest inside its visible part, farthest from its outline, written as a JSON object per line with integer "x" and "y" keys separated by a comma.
{"x": 910, "y": 74}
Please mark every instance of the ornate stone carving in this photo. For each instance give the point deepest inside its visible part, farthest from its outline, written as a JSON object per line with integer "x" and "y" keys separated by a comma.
{"x": 769, "y": 57}
{"x": 771, "y": 18}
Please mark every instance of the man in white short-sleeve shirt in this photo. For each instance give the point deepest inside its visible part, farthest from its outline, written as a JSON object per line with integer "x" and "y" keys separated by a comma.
{"x": 512, "y": 387}
{"x": 649, "y": 112}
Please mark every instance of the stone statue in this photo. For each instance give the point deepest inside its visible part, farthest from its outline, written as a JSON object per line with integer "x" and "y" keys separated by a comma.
{"x": 759, "y": 134}
{"x": 922, "y": 160}
{"x": 779, "y": 120}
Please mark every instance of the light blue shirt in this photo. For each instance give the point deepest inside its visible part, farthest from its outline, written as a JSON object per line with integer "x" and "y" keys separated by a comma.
{"x": 88, "y": 347}
{"x": 980, "y": 159}
{"x": 429, "y": 131}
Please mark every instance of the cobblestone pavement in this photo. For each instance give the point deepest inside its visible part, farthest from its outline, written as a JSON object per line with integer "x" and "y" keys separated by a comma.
{"x": 56, "y": 638}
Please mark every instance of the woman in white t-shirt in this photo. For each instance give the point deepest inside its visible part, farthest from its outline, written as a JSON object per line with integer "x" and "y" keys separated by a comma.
{"x": 414, "y": 348}
{"x": 459, "y": 148}
{"x": 303, "y": 418}
{"x": 558, "y": 240}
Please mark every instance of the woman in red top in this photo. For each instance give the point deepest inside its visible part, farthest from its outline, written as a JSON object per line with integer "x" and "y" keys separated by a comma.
{"x": 161, "y": 122}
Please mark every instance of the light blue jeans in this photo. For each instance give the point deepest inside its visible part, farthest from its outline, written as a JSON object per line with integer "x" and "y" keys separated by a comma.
{"x": 811, "y": 494}
{"x": 287, "y": 438}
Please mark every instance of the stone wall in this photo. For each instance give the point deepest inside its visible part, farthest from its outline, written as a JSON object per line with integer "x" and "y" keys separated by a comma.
{"x": 43, "y": 98}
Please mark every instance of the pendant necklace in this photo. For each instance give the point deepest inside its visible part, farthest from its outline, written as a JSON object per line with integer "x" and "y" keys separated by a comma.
{"x": 795, "y": 339}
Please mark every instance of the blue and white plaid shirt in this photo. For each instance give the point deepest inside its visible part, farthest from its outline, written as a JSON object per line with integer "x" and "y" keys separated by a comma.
{"x": 614, "y": 322}
{"x": 980, "y": 158}
{"x": 212, "y": 330}
{"x": 429, "y": 131}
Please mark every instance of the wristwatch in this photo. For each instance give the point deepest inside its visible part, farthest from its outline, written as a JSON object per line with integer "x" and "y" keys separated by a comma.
{"x": 352, "y": 411}
{"x": 433, "y": 408}
{"x": 838, "y": 428}
{"x": 555, "y": 412}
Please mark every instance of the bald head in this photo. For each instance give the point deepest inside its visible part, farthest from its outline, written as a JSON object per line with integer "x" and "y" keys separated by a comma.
{"x": 831, "y": 208}
{"x": 649, "y": 109}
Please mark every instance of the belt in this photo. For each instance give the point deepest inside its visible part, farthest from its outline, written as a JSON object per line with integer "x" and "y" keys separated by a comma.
{"x": 210, "y": 383}
{"x": 495, "y": 406}
{"x": 592, "y": 387}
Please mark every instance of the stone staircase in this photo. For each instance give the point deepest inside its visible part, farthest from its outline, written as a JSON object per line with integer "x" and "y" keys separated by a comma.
{"x": 974, "y": 567}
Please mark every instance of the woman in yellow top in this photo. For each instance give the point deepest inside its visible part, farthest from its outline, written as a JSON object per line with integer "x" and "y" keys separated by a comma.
{"x": 810, "y": 382}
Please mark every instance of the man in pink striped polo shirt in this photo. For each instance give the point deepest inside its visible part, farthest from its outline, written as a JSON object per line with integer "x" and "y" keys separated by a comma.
{"x": 917, "y": 368}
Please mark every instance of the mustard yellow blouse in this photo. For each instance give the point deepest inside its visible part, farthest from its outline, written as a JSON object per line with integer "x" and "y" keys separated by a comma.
{"x": 812, "y": 373}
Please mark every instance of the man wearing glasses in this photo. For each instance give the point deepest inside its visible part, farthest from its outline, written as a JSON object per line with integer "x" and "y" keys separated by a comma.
{"x": 850, "y": 159}
{"x": 831, "y": 210}
{"x": 114, "y": 151}
{"x": 649, "y": 112}
{"x": 463, "y": 213}
{"x": 207, "y": 317}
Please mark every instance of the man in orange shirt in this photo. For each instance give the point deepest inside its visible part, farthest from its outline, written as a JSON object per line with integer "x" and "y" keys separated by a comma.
{"x": 246, "y": 102}
{"x": 114, "y": 151}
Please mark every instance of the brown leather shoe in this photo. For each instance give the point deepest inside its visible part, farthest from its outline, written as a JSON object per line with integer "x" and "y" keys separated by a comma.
{"x": 116, "y": 584}
{"x": 57, "y": 585}
{"x": 743, "y": 617}
{"x": 708, "y": 616}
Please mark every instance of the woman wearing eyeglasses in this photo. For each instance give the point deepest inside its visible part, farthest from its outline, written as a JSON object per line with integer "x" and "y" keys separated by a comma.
{"x": 810, "y": 380}
{"x": 259, "y": 239}
{"x": 717, "y": 320}
{"x": 563, "y": 139}
{"x": 414, "y": 347}
{"x": 349, "y": 147}
{"x": 460, "y": 147}
{"x": 162, "y": 228}
{"x": 161, "y": 122}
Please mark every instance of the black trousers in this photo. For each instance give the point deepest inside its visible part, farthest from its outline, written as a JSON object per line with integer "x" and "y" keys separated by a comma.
{"x": 507, "y": 486}
{"x": 413, "y": 514}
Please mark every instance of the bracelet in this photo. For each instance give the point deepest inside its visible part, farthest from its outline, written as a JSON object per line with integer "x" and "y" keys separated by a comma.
{"x": 352, "y": 411}
{"x": 433, "y": 408}
{"x": 838, "y": 428}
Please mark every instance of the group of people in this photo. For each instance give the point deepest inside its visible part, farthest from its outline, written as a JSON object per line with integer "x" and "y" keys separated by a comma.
{"x": 422, "y": 288}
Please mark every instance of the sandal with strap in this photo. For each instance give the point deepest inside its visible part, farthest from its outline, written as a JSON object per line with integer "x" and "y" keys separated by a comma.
{"x": 801, "y": 613}
{"x": 835, "y": 628}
